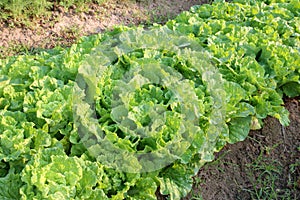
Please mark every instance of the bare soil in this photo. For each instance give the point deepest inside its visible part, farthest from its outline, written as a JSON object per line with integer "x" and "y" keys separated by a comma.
{"x": 268, "y": 159}
{"x": 64, "y": 27}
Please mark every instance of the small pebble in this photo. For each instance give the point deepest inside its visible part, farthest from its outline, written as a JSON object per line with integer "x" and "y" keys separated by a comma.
{"x": 60, "y": 9}
{"x": 91, "y": 13}
{"x": 73, "y": 7}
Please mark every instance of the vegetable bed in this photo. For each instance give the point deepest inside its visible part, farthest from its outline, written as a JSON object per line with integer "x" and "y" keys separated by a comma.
{"x": 133, "y": 112}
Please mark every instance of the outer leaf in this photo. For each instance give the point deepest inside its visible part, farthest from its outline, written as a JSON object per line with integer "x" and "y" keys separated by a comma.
{"x": 9, "y": 186}
{"x": 239, "y": 129}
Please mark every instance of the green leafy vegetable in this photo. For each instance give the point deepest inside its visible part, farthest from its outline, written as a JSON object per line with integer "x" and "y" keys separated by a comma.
{"x": 132, "y": 112}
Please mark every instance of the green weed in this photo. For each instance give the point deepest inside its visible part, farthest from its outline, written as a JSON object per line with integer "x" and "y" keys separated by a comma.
{"x": 22, "y": 11}
{"x": 265, "y": 176}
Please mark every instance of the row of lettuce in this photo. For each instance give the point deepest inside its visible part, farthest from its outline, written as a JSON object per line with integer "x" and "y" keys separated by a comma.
{"x": 234, "y": 62}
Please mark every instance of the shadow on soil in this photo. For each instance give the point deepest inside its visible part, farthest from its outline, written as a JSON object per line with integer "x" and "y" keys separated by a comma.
{"x": 264, "y": 166}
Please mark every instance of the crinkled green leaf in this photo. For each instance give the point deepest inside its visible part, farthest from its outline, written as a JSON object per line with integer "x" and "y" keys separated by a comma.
{"x": 291, "y": 89}
{"x": 176, "y": 181}
{"x": 251, "y": 60}
{"x": 239, "y": 129}
{"x": 9, "y": 186}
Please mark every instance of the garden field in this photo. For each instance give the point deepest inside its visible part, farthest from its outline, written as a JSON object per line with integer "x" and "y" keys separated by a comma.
{"x": 150, "y": 99}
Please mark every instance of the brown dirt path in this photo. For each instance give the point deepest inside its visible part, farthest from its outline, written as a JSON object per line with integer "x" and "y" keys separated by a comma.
{"x": 64, "y": 27}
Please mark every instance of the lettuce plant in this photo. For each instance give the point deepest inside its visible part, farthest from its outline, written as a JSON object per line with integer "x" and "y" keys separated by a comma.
{"x": 132, "y": 112}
